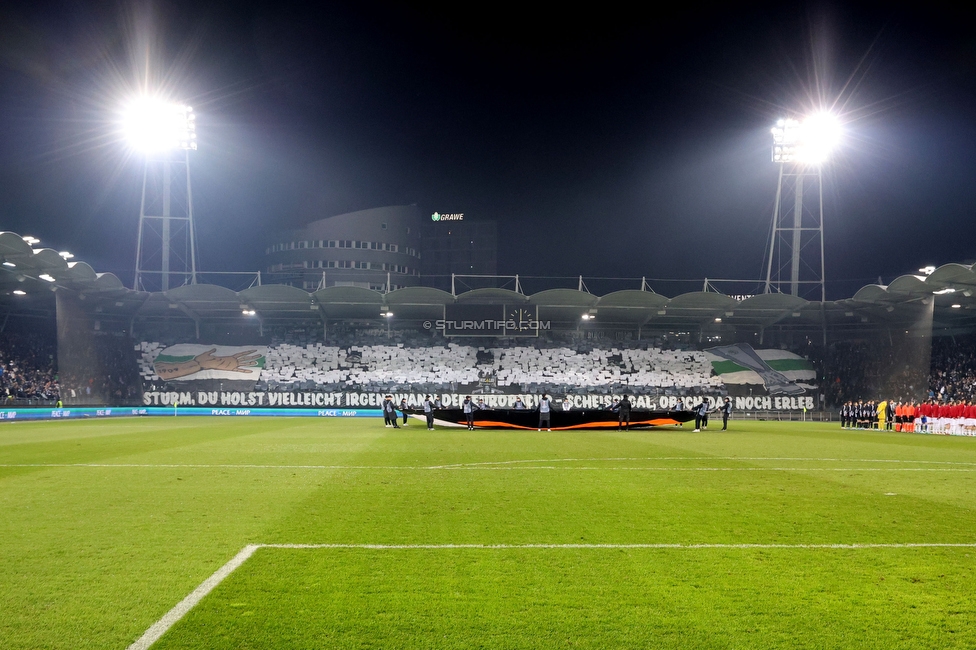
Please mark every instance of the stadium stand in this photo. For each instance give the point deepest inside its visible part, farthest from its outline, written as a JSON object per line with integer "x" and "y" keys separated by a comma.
{"x": 953, "y": 375}
{"x": 28, "y": 370}
{"x": 875, "y": 369}
{"x": 100, "y": 370}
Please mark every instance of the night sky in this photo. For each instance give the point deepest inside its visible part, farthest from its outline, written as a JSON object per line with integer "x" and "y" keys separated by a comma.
{"x": 603, "y": 142}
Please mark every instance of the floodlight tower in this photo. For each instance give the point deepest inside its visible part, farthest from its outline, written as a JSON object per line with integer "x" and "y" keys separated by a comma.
{"x": 166, "y": 247}
{"x": 800, "y": 148}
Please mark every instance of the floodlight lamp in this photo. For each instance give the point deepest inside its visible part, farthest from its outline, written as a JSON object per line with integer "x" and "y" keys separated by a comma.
{"x": 809, "y": 142}
{"x": 31, "y": 240}
{"x": 956, "y": 306}
{"x": 66, "y": 255}
{"x": 46, "y": 277}
{"x": 821, "y": 134}
{"x": 10, "y": 265}
{"x": 152, "y": 125}
{"x": 19, "y": 292}
{"x": 942, "y": 292}
{"x": 927, "y": 270}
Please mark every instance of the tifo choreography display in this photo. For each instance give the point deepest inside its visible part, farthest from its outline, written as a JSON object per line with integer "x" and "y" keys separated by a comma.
{"x": 454, "y": 368}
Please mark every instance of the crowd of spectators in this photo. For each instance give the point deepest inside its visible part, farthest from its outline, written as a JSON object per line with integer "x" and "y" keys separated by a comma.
{"x": 28, "y": 368}
{"x": 905, "y": 371}
{"x": 100, "y": 369}
{"x": 874, "y": 369}
{"x": 953, "y": 376}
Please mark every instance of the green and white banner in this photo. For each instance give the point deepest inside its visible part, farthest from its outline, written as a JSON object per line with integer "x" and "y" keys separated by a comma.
{"x": 190, "y": 361}
{"x": 781, "y": 372}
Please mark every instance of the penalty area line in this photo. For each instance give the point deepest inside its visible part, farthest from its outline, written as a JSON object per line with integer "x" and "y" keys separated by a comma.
{"x": 173, "y": 616}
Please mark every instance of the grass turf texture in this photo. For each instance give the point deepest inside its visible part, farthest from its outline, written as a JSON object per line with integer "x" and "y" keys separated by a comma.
{"x": 92, "y": 555}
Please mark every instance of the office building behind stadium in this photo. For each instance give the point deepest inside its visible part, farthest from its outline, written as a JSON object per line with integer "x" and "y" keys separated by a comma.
{"x": 383, "y": 249}
{"x": 375, "y": 249}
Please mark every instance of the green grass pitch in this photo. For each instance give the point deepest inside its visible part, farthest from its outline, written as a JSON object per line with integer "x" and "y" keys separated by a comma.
{"x": 105, "y": 525}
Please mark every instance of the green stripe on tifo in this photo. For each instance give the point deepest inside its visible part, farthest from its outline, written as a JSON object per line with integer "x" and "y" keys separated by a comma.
{"x": 782, "y": 365}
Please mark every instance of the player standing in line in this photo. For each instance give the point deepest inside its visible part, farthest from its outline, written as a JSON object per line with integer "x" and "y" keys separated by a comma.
{"x": 957, "y": 415}
{"x": 680, "y": 407}
{"x": 942, "y": 421}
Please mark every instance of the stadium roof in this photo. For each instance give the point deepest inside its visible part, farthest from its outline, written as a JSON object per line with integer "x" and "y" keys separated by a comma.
{"x": 22, "y": 263}
{"x": 949, "y": 291}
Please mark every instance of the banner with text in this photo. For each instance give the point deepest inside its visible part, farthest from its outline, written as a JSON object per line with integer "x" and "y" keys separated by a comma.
{"x": 315, "y": 399}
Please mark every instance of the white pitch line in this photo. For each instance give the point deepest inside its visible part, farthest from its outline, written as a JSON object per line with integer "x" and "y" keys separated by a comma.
{"x": 713, "y": 469}
{"x": 490, "y": 468}
{"x": 713, "y": 458}
{"x": 500, "y": 463}
{"x": 210, "y": 466}
{"x": 179, "y": 611}
{"x": 173, "y": 616}
{"x": 488, "y": 547}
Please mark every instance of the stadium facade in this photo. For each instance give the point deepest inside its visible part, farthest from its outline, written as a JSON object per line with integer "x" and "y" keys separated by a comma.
{"x": 375, "y": 249}
{"x": 383, "y": 249}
